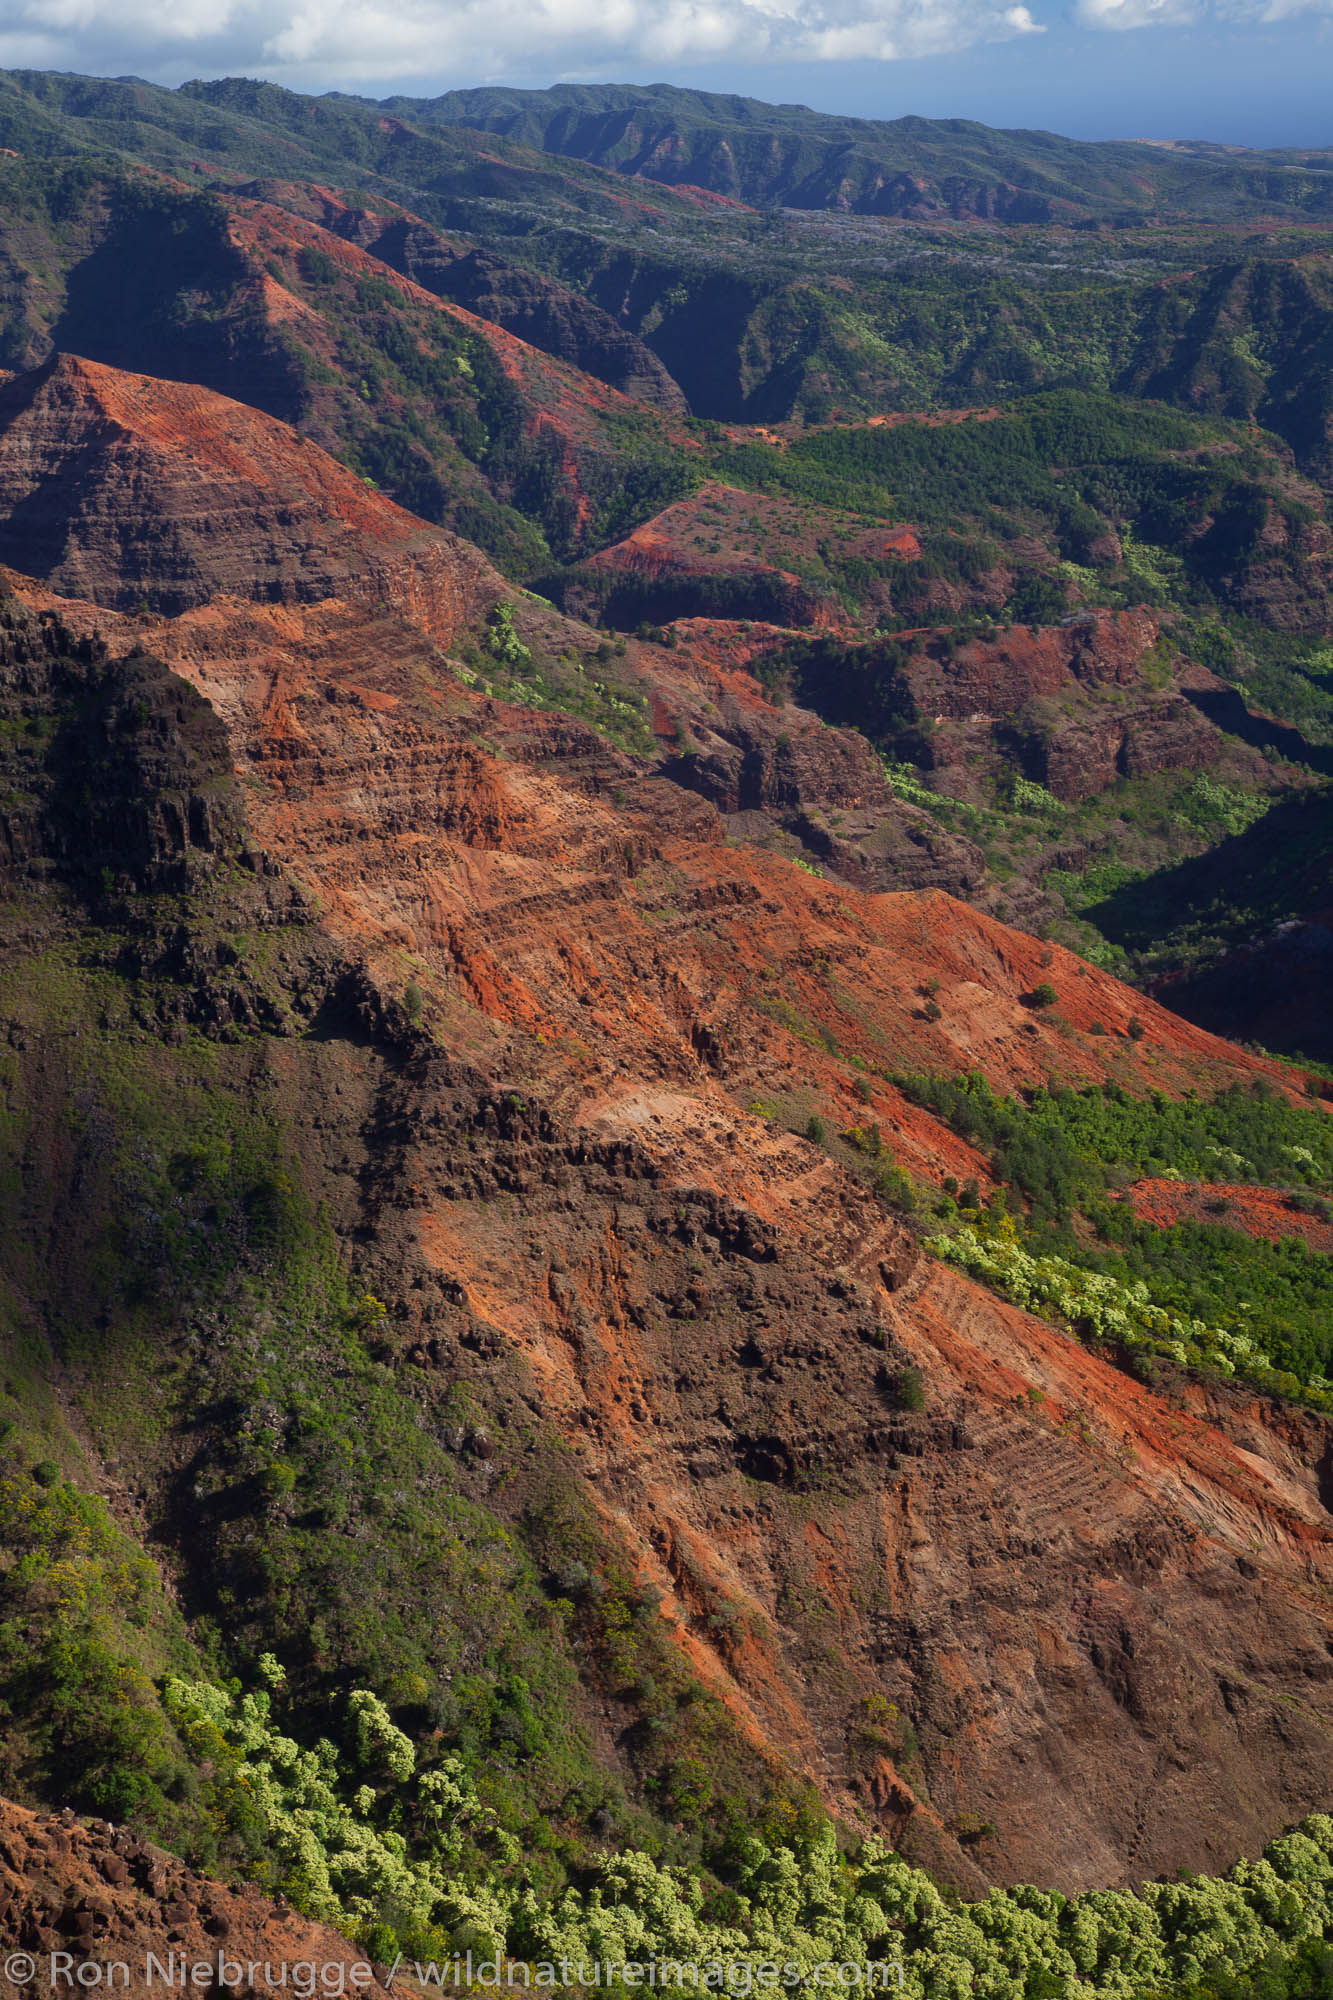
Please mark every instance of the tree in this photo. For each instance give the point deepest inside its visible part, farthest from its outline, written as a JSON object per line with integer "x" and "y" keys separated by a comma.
{"x": 911, "y": 1389}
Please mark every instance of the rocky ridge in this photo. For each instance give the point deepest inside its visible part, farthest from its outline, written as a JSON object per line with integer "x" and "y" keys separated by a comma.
{"x": 545, "y": 314}
{"x": 1073, "y": 706}
{"x": 669, "y": 1327}
{"x": 128, "y": 491}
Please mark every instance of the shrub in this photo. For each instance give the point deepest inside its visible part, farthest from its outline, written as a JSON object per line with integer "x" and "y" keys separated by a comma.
{"x": 896, "y": 1188}
{"x": 911, "y": 1389}
{"x": 502, "y": 641}
{"x": 791, "y": 1893}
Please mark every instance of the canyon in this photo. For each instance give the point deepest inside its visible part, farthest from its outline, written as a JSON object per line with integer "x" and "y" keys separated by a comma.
{"x": 478, "y": 920}
{"x": 707, "y": 1310}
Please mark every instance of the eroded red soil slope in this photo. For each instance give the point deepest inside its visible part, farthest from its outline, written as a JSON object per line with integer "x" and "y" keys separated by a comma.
{"x": 1108, "y": 1615}
{"x": 109, "y": 1899}
{"x": 1259, "y": 1211}
{"x": 124, "y": 489}
{"x": 1076, "y": 1590}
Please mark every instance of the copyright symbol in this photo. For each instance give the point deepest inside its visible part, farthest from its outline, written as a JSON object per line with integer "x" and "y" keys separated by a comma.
{"x": 21, "y": 1968}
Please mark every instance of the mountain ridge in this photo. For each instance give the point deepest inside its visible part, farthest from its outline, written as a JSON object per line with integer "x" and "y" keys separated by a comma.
{"x": 80, "y": 438}
{"x": 868, "y": 166}
{"x": 809, "y": 159}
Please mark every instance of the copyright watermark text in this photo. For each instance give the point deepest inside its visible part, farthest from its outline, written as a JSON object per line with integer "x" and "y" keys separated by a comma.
{"x": 63, "y": 1972}
{"x": 59, "y": 1972}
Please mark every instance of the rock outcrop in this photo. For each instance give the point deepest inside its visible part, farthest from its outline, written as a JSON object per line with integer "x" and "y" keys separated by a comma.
{"x": 1070, "y": 705}
{"x": 538, "y": 309}
{"x": 133, "y": 783}
{"x": 130, "y": 491}
{"x": 77, "y": 1893}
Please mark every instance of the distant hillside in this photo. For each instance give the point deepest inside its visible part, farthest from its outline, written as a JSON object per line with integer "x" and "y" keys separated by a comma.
{"x": 764, "y": 155}
{"x": 873, "y": 291}
{"x": 235, "y": 129}
{"x": 919, "y": 167}
{"x": 457, "y": 420}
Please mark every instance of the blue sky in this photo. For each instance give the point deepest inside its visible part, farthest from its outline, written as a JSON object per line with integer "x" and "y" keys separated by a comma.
{"x": 1247, "y": 72}
{"x": 1246, "y": 87}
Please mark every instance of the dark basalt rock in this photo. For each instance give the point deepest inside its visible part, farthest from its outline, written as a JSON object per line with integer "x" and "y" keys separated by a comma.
{"x": 115, "y": 772}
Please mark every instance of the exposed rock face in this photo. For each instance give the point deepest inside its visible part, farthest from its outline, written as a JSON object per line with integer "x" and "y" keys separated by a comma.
{"x": 1104, "y": 1619}
{"x": 108, "y": 1898}
{"x": 1071, "y": 1593}
{"x": 1162, "y": 733}
{"x": 1099, "y": 649}
{"x": 748, "y": 761}
{"x": 1068, "y": 703}
{"x": 766, "y": 767}
{"x": 644, "y": 578}
{"x": 121, "y": 488}
{"x": 700, "y": 558}
{"x": 134, "y": 782}
{"x": 1046, "y": 1583}
{"x": 897, "y": 846}
{"x": 229, "y": 501}
{"x": 1042, "y": 1597}
{"x": 571, "y": 1169}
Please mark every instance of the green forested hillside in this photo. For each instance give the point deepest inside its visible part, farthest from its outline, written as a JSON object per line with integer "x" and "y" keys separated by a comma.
{"x": 807, "y": 159}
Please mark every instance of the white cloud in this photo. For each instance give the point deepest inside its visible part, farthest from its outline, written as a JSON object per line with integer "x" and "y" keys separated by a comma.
{"x": 350, "y": 37}
{"x": 136, "y": 23}
{"x": 1183, "y": 13}
{"x": 1135, "y": 13}
{"x": 422, "y": 45}
{"x": 352, "y": 42}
